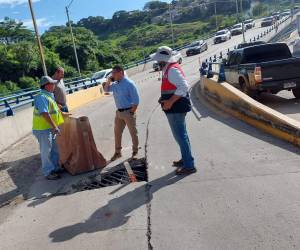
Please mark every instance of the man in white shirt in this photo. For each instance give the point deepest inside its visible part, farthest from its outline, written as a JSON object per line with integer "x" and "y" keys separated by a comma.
{"x": 176, "y": 104}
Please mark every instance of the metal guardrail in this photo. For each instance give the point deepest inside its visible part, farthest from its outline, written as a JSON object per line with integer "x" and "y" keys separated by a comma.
{"x": 10, "y": 103}
{"x": 26, "y": 97}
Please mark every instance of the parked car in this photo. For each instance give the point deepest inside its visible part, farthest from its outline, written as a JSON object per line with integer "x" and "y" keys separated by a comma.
{"x": 101, "y": 76}
{"x": 156, "y": 66}
{"x": 237, "y": 29}
{"x": 249, "y": 24}
{"x": 263, "y": 68}
{"x": 268, "y": 21}
{"x": 196, "y": 48}
{"x": 222, "y": 36}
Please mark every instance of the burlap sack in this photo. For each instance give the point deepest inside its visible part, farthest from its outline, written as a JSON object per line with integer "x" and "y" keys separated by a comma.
{"x": 78, "y": 151}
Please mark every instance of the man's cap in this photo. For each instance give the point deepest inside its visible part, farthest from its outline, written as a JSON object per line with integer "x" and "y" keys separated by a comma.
{"x": 47, "y": 79}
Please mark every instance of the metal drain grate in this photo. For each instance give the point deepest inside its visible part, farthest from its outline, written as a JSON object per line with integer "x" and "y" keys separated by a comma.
{"x": 115, "y": 177}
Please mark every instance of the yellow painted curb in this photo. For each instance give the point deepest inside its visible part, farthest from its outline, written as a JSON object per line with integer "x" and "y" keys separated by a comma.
{"x": 238, "y": 104}
{"x": 83, "y": 97}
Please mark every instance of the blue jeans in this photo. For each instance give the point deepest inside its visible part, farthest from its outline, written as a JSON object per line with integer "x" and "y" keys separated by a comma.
{"x": 49, "y": 150}
{"x": 178, "y": 127}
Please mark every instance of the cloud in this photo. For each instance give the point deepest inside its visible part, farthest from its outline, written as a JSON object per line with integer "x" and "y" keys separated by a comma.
{"x": 15, "y": 2}
{"x": 41, "y": 23}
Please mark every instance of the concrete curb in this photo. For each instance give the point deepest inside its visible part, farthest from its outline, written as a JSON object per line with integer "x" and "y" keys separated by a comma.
{"x": 231, "y": 100}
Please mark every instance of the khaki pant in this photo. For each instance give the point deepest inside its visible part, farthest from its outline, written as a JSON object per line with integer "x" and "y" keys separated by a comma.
{"x": 121, "y": 120}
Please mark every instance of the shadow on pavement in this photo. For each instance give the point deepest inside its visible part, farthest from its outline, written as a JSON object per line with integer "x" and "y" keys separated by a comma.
{"x": 22, "y": 174}
{"x": 234, "y": 123}
{"x": 117, "y": 211}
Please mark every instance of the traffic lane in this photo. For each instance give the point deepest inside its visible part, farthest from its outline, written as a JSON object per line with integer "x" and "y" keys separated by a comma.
{"x": 216, "y": 49}
{"x": 284, "y": 102}
{"x": 244, "y": 177}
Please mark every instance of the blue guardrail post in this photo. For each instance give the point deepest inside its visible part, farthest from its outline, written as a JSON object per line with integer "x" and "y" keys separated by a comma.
{"x": 9, "y": 112}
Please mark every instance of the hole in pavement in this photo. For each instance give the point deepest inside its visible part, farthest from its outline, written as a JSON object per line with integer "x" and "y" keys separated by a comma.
{"x": 113, "y": 177}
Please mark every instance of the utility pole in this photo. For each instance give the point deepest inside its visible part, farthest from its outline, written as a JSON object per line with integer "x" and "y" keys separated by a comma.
{"x": 216, "y": 16}
{"x": 73, "y": 40}
{"x": 292, "y": 8}
{"x": 38, "y": 38}
{"x": 242, "y": 19}
{"x": 171, "y": 23}
{"x": 237, "y": 9}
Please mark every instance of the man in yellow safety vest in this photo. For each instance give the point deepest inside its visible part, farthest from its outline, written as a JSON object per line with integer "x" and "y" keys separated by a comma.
{"x": 47, "y": 118}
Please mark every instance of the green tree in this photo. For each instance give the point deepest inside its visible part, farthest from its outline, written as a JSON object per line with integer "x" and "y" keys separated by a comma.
{"x": 28, "y": 82}
{"x": 12, "y": 31}
{"x": 259, "y": 9}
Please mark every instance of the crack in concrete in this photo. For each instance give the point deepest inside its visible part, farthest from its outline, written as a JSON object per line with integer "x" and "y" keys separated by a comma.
{"x": 148, "y": 187}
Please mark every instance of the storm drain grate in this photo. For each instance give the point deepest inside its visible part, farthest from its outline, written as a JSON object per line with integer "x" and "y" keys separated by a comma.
{"x": 114, "y": 177}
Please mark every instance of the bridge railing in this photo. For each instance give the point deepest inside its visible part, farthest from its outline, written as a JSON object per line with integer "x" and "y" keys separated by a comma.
{"x": 9, "y": 104}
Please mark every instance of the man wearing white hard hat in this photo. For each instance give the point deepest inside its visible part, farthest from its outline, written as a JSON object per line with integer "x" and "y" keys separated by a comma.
{"x": 176, "y": 104}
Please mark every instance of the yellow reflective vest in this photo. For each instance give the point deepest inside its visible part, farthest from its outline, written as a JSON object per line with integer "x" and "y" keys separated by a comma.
{"x": 40, "y": 123}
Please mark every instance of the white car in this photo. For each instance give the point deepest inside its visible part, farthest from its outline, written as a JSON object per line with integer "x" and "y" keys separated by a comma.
{"x": 222, "y": 36}
{"x": 249, "y": 24}
{"x": 237, "y": 29}
{"x": 101, "y": 76}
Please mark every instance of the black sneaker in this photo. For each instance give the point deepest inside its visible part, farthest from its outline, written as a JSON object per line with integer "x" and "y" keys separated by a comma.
{"x": 178, "y": 164}
{"x": 185, "y": 171}
{"x": 53, "y": 176}
{"x": 59, "y": 170}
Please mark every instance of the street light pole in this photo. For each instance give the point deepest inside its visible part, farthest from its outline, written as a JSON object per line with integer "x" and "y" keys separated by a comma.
{"x": 171, "y": 23}
{"x": 237, "y": 9}
{"x": 38, "y": 38}
{"x": 73, "y": 41}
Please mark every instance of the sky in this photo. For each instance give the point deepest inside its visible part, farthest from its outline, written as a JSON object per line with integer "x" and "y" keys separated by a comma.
{"x": 52, "y": 12}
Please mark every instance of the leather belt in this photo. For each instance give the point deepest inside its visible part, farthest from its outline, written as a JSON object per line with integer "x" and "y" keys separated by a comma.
{"x": 122, "y": 110}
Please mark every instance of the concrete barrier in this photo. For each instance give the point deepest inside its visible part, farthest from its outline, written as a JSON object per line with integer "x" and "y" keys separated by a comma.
{"x": 15, "y": 128}
{"x": 83, "y": 97}
{"x": 238, "y": 104}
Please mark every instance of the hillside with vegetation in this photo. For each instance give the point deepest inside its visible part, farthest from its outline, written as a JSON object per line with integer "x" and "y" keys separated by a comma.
{"x": 126, "y": 37}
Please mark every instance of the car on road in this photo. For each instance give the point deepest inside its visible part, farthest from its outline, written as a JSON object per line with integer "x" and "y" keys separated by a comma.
{"x": 237, "y": 29}
{"x": 249, "y": 24}
{"x": 263, "y": 68}
{"x": 268, "y": 21}
{"x": 276, "y": 15}
{"x": 100, "y": 76}
{"x": 286, "y": 13}
{"x": 222, "y": 36}
{"x": 156, "y": 66}
{"x": 197, "y": 48}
